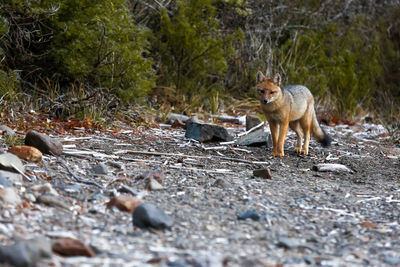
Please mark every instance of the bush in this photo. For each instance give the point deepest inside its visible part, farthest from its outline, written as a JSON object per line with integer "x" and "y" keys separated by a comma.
{"x": 192, "y": 51}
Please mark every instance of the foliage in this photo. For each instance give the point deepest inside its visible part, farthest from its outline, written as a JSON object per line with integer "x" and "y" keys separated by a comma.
{"x": 341, "y": 65}
{"x": 192, "y": 51}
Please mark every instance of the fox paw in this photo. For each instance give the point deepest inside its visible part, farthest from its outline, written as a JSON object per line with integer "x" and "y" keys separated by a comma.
{"x": 298, "y": 149}
{"x": 277, "y": 154}
{"x": 304, "y": 151}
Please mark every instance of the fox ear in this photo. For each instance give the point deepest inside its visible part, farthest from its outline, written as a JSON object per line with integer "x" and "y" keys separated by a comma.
{"x": 260, "y": 77}
{"x": 277, "y": 79}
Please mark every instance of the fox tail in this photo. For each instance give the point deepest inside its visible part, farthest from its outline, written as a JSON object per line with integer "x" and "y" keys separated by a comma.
{"x": 319, "y": 133}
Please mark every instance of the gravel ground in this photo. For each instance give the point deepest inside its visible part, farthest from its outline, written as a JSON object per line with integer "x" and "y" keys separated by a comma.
{"x": 305, "y": 217}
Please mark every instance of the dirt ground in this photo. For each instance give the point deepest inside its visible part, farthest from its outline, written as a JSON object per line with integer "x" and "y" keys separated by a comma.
{"x": 305, "y": 217}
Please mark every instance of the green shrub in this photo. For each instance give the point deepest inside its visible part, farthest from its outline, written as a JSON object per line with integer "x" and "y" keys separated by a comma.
{"x": 97, "y": 42}
{"x": 193, "y": 53}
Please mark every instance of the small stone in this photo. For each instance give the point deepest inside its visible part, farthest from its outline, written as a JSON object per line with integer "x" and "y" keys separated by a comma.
{"x": 44, "y": 143}
{"x": 44, "y": 188}
{"x": 26, "y": 252}
{"x": 368, "y": 224}
{"x": 6, "y": 130}
{"x": 100, "y": 169}
{"x": 158, "y": 175}
{"x": 52, "y": 200}
{"x": 173, "y": 117}
{"x": 8, "y": 195}
{"x": 4, "y": 182}
{"x": 221, "y": 183}
{"x": 288, "y": 242}
{"x": 148, "y": 215}
{"x": 153, "y": 185}
{"x": 263, "y": 173}
{"x": 9, "y": 162}
{"x": 331, "y": 167}
{"x": 252, "y": 121}
{"x": 67, "y": 246}
{"x": 125, "y": 203}
{"x": 28, "y": 153}
{"x": 250, "y": 214}
{"x": 255, "y": 138}
{"x": 206, "y": 132}
{"x": 11, "y": 176}
{"x": 395, "y": 261}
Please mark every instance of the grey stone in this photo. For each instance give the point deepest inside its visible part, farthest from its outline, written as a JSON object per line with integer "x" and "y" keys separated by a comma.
{"x": 392, "y": 260}
{"x": 7, "y": 130}
{"x": 26, "y": 253}
{"x": 44, "y": 143}
{"x": 289, "y": 242}
{"x": 11, "y": 176}
{"x": 100, "y": 169}
{"x": 264, "y": 173}
{"x": 147, "y": 215}
{"x": 4, "y": 182}
{"x": 256, "y": 138}
{"x": 252, "y": 121}
{"x": 250, "y": 214}
{"x": 173, "y": 116}
{"x": 203, "y": 132}
{"x": 154, "y": 185}
{"x": 9, "y": 162}
{"x": 10, "y": 196}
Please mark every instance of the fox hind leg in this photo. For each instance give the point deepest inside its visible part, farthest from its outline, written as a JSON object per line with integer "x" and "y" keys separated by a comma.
{"x": 296, "y": 127}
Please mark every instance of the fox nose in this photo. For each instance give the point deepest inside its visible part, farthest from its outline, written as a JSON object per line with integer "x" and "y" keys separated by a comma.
{"x": 266, "y": 100}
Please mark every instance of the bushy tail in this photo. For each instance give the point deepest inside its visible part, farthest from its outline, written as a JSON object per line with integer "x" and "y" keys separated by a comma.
{"x": 319, "y": 133}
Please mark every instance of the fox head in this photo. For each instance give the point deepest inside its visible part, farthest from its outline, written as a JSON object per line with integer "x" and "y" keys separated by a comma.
{"x": 268, "y": 89}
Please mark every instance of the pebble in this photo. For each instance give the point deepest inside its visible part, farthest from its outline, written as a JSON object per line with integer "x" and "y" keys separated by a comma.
{"x": 153, "y": 185}
{"x": 263, "y": 173}
{"x": 4, "y": 182}
{"x": 7, "y": 130}
{"x": 26, "y": 252}
{"x": 28, "y": 153}
{"x": 203, "y": 132}
{"x": 10, "y": 196}
{"x": 9, "y": 162}
{"x": 250, "y": 214}
{"x": 148, "y": 215}
{"x": 100, "y": 169}
{"x": 44, "y": 143}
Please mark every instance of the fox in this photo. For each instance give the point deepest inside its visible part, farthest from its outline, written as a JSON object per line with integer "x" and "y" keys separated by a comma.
{"x": 290, "y": 106}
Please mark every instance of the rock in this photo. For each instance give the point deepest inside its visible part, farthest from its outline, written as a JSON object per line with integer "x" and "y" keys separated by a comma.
{"x": 44, "y": 188}
{"x": 288, "y": 242}
{"x": 67, "y": 246}
{"x": 157, "y": 175}
{"x": 229, "y": 119}
{"x": 255, "y": 138}
{"x": 6, "y": 130}
{"x": 153, "y": 185}
{"x": 10, "y": 162}
{"x": 252, "y": 121}
{"x": 28, "y": 153}
{"x": 178, "y": 124}
{"x": 125, "y": 203}
{"x": 4, "y": 182}
{"x": 52, "y": 200}
{"x": 203, "y": 132}
{"x": 331, "y": 167}
{"x": 8, "y": 195}
{"x": 221, "y": 183}
{"x": 44, "y": 143}
{"x": 173, "y": 117}
{"x": 26, "y": 253}
{"x": 11, "y": 176}
{"x": 100, "y": 169}
{"x": 147, "y": 215}
{"x": 263, "y": 173}
{"x": 250, "y": 214}
{"x": 395, "y": 261}
{"x": 367, "y": 224}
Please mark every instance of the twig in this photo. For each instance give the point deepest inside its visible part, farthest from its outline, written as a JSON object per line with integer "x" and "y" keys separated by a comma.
{"x": 21, "y": 172}
{"x": 77, "y": 178}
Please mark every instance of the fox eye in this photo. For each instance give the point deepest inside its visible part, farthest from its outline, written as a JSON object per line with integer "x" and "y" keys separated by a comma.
{"x": 260, "y": 91}
{"x": 273, "y": 92}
